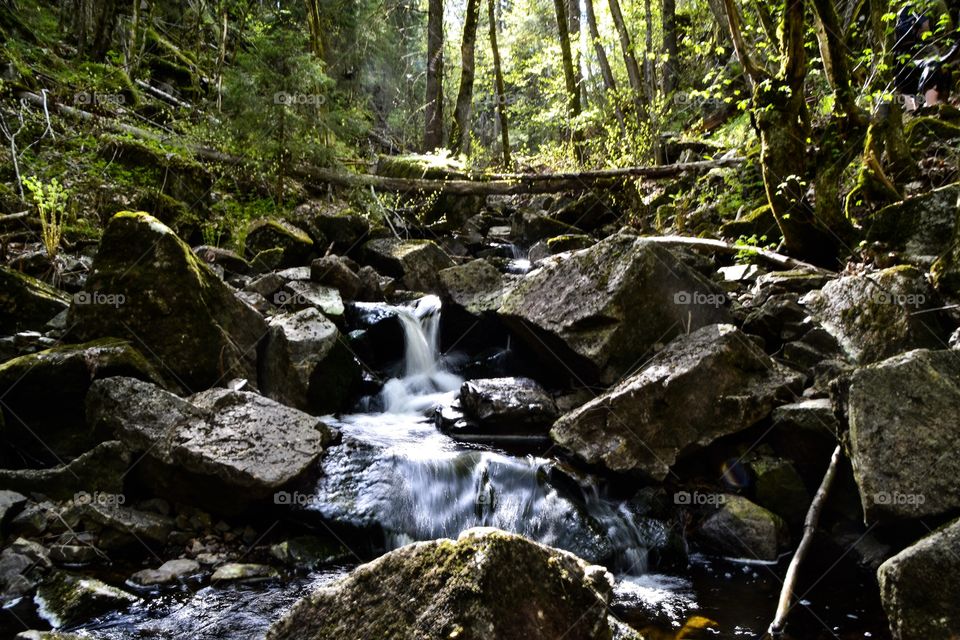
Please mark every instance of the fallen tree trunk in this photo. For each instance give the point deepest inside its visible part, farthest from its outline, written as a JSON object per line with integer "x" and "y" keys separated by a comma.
{"x": 482, "y": 185}
{"x": 772, "y": 258}
{"x": 809, "y": 528}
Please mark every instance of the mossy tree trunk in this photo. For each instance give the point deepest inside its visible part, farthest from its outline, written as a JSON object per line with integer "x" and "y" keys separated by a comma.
{"x": 460, "y": 133}
{"x": 433, "y": 131}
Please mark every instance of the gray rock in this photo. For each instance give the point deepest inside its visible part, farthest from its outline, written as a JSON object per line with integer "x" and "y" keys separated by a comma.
{"x": 222, "y": 449}
{"x": 10, "y": 503}
{"x": 148, "y": 286}
{"x": 27, "y": 303}
{"x": 100, "y": 470}
{"x": 266, "y": 285}
{"x": 477, "y": 286}
{"x": 64, "y": 599}
{"x": 55, "y": 430}
{"x": 446, "y": 588}
{"x": 332, "y": 222}
{"x": 903, "y": 434}
{"x": 170, "y": 572}
{"x": 22, "y": 566}
{"x": 415, "y": 262}
{"x": 919, "y": 587}
{"x": 120, "y": 526}
{"x": 779, "y": 488}
{"x": 238, "y": 572}
{"x": 604, "y": 310}
{"x": 744, "y": 530}
{"x": 305, "y": 363}
{"x": 711, "y": 383}
{"x": 266, "y": 234}
{"x": 875, "y": 316}
{"x": 302, "y": 294}
{"x": 922, "y": 227}
{"x": 333, "y": 271}
{"x": 508, "y": 403}
{"x": 223, "y": 257}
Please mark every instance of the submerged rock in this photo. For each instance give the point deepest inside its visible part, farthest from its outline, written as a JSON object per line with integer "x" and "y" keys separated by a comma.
{"x": 875, "y": 316}
{"x": 919, "y": 587}
{"x": 49, "y": 430}
{"x": 742, "y": 529}
{"x": 222, "y": 449}
{"x": 903, "y": 434}
{"x": 416, "y": 262}
{"x": 508, "y": 403}
{"x": 711, "y": 383}
{"x": 485, "y": 584}
{"x": 305, "y": 363}
{"x": 240, "y": 572}
{"x": 27, "y": 303}
{"x": 603, "y": 310}
{"x": 149, "y": 287}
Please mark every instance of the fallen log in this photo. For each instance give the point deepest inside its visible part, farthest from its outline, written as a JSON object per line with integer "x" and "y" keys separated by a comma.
{"x": 809, "y": 528}
{"x": 777, "y": 260}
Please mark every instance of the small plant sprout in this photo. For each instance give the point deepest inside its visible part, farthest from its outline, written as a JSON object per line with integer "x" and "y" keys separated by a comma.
{"x": 50, "y": 200}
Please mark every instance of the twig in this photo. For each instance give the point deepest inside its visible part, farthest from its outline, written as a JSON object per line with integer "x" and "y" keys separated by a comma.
{"x": 809, "y": 528}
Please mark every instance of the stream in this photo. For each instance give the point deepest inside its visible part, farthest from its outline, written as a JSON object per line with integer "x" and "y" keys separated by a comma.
{"x": 396, "y": 478}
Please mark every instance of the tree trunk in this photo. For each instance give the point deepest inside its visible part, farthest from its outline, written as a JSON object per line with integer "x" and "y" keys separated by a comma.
{"x": 574, "y": 106}
{"x": 668, "y": 18}
{"x": 460, "y": 133}
{"x": 605, "y": 71}
{"x": 433, "y": 131}
{"x": 103, "y": 33}
{"x": 498, "y": 86}
{"x": 650, "y": 75}
{"x": 573, "y": 28}
{"x": 316, "y": 28}
{"x": 630, "y": 61}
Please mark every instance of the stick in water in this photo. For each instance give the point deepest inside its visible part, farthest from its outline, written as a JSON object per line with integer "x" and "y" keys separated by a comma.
{"x": 809, "y": 528}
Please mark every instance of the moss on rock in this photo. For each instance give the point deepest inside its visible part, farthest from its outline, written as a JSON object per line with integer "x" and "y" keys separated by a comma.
{"x": 27, "y": 303}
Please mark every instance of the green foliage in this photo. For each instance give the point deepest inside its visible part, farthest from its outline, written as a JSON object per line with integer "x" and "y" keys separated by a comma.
{"x": 748, "y": 247}
{"x": 50, "y": 199}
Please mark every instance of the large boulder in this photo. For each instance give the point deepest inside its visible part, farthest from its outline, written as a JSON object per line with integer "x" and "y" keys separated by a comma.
{"x": 53, "y": 430}
{"x": 903, "y": 434}
{"x": 332, "y": 223}
{"x": 477, "y": 286}
{"x": 711, "y": 383}
{"x": 221, "y": 449}
{"x": 305, "y": 363}
{"x": 921, "y": 227}
{"x": 416, "y": 262}
{"x": 27, "y": 303}
{"x": 149, "y": 287}
{"x": 603, "y": 310}
{"x": 876, "y": 316}
{"x": 268, "y": 234}
{"x": 919, "y": 587}
{"x": 485, "y": 584}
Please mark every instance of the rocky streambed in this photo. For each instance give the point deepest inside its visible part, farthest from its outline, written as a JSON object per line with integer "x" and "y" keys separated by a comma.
{"x": 345, "y": 434}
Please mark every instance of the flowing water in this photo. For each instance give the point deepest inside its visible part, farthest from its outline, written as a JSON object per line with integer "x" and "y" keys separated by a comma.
{"x": 395, "y": 479}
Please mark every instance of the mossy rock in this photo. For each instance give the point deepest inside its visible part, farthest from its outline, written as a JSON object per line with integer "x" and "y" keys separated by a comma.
{"x": 569, "y": 242}
{"x": 267, "y": 234}
{"x": 743, "y": 529}
{"x": 171, "y": 305}
{"x": 27, "y": 382}
{"x": 758, "y": 223}
{"x": 780, "y": 489}
{"x": 27, "y": 303}
{"x": 925, "y": 130}
{"x": 171, "y": 212}
{"x": 333, "y": 223}
{"x": 922, "y": 227}
{"x": 180, "y": 176}
{"x": 486, "y": 584}
{"x": 417, "y": 262}
{"x": 67, "y": 599}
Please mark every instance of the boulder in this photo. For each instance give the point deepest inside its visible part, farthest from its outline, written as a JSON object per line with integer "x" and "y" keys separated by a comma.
{"x": 148, "y": 286}
{"x": 119, "y": 526}
{"x": 711, "y": 383}
{"x": 10, "y": 504}
{"x": 416, "y": 262}
{"x": 64, "y": 599}
{"x": 170, "y": 572}
{"x": 876, "y": 316}
{"x": 27, "y": 303}
{"x": 742, "y": 529}
{"x": 457, "y": 589}
{"x": 477, "y": 286}
{"x": 23, "y": 564}
{"x": 903, "y": 433}
{"x": 603, "y": 310}
{"x": 921, "y": 227}
{"x": 48, "y": 430}
{"x": 223, "y": 450}
{"x": 919, "y": 587}
{"x": 225, "y": 258}
{"x": 333, "y": 271}
{"x": 779, "y": 488}
{"x": 332, "y": 223}
{"x": 306, "y": 364}
{"x": 528, "y": 226}
{"x": 267, "y": 234}
{"x": 508, "y": 403}
{"x": 301, "y": 294}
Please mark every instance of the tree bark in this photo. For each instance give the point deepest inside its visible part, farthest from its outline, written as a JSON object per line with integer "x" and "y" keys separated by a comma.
{"x": 634, "y": 77}
{"x": 433, "y": 131}
{"x": 573, "y": 28}
{"x": 609, "y": 83}
{"x": 498, "y": 85}
{"x": 668, "y": 16}
{"x": 574, "y": 106}
{"x": 460, "y": 133}
{"x": 315, "y": 24}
